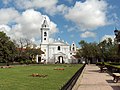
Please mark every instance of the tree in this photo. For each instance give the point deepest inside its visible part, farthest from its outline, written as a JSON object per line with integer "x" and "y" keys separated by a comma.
{"x": 106, "y": 50}
{"x": 90, "y": 51}
{"x": 109, "y": 49}
{"x": 7, "y": 48}
{"x": 26, "y": 50}
{"x": 23, "y": 46}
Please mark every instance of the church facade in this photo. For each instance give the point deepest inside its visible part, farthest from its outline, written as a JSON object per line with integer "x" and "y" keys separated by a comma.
{"x": 57, "y": 51}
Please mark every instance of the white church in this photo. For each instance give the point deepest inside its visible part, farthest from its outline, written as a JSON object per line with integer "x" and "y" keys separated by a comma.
{"x": 57, "y": 51}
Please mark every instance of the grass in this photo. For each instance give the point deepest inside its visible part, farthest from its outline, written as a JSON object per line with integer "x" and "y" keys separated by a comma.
{"x": 118, "y": 66}
{"x": 18, "y": 77}
{"x": 114, "y": 64}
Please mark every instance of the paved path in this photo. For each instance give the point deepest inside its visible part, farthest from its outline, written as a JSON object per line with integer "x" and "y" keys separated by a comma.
{"x": 92, "y": 79}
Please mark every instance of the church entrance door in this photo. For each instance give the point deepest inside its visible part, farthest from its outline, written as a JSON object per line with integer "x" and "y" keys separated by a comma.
{"x": 39, "y": 59}
{"x": 60, "y": 59}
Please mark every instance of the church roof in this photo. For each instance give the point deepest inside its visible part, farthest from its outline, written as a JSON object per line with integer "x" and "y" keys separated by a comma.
{"x": 58, "y": 42}
{"x": 45, "y": 23}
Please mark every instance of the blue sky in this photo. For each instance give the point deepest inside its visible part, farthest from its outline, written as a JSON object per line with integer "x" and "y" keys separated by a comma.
{"x": 71, "y": 20}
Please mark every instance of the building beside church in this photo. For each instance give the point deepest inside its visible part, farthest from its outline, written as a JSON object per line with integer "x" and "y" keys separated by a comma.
{"x": 57, "y": 51}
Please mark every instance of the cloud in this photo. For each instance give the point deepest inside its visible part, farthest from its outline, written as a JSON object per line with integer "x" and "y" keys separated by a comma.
{"x": 51, "y": 40}
{"x": 51, "y": 7}
{"x": 71, "y": 29}
{"x": 5, "y": 28}
{"x": 8, "y": 15}
{"x": 26, "y": 25}
{"x": 88, "y": 34}
{"x": 26, "y": 4}
{"x": 105, "y": 37}
{"x": 61, "y": 9}
{"x": 88, "y": 15}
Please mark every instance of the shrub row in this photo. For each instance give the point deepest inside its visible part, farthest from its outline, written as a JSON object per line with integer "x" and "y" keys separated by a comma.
{"x": 99, "y": 63}
{"x": 114, "y": 63}
{"x": 113, "y": 69}
{"x": 108, "y": 63}
{"x": 112, "y": 66}
{"x": 27, "y": 62}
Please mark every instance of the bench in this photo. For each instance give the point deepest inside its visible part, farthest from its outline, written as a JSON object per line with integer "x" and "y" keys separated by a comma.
{"x": 102, "y": 68}
{"x": 116, "y": 77}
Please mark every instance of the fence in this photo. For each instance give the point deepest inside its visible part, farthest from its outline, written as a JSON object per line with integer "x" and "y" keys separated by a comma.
{"x": 69, "y": 85}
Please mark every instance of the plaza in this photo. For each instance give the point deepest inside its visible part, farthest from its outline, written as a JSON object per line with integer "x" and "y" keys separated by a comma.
{"x": 93, "y": 79}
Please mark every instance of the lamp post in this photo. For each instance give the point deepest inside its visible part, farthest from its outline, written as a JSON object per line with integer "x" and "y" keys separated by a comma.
{"x": 117, "y": 34}
{"x": 102, "y": 59}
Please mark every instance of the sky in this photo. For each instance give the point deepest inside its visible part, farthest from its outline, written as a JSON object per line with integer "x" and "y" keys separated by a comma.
{"x": 70, "y": 20}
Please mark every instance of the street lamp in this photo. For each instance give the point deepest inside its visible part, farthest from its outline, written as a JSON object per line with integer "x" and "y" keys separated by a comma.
{"x": 102, "y": 59}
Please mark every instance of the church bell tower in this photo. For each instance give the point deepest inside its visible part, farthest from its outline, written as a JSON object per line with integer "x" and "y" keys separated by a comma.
{"x": 45, "y": 32}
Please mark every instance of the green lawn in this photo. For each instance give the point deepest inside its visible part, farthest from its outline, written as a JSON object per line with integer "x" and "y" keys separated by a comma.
{"x": 118, "y": 66}
{"x": 18, "y": 77}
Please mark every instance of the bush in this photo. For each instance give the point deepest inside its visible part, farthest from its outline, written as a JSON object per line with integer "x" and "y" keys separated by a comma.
{"x": 99, "y": 63}
{"x": 33, "y": 62}
{"x": 21, "y": 62}
{"x": 114, "y": 63}
{"x": 19, "y": 59}
{"x": 28, "y": 62}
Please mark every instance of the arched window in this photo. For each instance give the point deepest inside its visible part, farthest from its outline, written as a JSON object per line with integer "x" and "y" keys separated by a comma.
{"x": 45, "y": 34}
{"x": 73, "y": 49}
{"x": 59, "y": 48}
